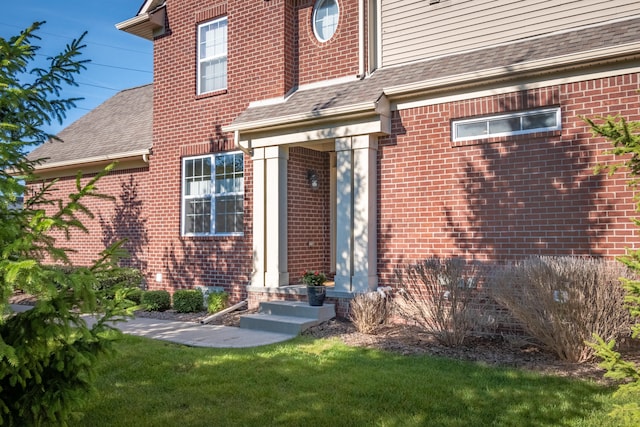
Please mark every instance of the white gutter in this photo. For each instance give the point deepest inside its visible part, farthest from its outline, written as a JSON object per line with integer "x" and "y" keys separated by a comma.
{"x": 96, "y": 159}
{"x": 378, "y": 34}
{"x": 132, "y": 22}
{"x": 361, "y": 70}
{"x": 236, "y": 142}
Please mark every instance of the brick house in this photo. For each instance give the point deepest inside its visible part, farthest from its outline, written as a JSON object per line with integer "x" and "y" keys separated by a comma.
{"x": 352, "y": 136}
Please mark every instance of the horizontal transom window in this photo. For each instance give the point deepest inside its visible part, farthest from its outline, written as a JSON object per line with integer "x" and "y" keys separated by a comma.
{"x": 520, "y": 123}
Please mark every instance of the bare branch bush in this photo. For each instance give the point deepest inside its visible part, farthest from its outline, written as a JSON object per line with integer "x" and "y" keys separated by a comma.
{"x": 563, "y": 301}
{"x": 370, "y": 310}
{"x": 441, "y": 296}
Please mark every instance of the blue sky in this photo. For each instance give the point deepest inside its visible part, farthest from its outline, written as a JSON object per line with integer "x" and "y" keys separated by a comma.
{"x": 118, "y": 60}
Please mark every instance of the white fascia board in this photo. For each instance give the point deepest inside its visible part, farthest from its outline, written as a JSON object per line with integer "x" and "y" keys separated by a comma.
{"x": 144, "y": 24}
{"x": 92, "y": 160}
{"x": 372, "y": 125}
{"x": 132, "y": 22}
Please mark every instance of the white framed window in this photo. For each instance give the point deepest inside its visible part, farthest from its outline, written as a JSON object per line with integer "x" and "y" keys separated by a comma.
{"x": 212, "y": 56}
{"x": 325, "y": 19}
{"x": 520, "y": 123}
{"x": 213, "y": 194}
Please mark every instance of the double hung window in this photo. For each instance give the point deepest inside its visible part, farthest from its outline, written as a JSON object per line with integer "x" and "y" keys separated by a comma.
{"x": 213, "y": 194}
{"x": 212, "y": 56}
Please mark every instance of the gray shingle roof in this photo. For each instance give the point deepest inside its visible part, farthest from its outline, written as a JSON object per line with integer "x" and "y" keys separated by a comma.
{"x": 505, "y": 56}
{"x": 121, "y": 124}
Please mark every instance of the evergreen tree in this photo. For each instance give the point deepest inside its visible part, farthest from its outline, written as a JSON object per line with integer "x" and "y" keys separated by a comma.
{"x": 625, "y": 138}
{"x": 48, "y": 353}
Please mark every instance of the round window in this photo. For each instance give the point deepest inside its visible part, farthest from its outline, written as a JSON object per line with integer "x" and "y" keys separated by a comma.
{"x": 325, "y": 19}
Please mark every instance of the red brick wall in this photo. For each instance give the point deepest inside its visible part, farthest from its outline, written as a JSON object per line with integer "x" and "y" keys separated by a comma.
{"x": 262, "y": 63}
{"x": 309, "y": 245}
{"x": 337, "y": 57}
{"x": 488, "y": 200}
{"x": 123, "y": 217}
{"x": 505, "y": 198}
{"x": 186, "y": 124}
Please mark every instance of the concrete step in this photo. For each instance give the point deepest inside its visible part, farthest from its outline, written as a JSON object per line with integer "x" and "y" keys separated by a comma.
{"x": 288, "y": 317}
{"x": 272, "y": 323}
{"x": 298, "y": 309}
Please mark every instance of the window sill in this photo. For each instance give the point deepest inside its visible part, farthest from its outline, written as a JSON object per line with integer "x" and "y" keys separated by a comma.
{"x": 211, "y": 237}
{"x": 510, "y": 138}
{"x": 212, "y": 94}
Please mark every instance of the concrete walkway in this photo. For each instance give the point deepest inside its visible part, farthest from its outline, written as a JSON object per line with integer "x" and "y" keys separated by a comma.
{"x": 193, "y": 334}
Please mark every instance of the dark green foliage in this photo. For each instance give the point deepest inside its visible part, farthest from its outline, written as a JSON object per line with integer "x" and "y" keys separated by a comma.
{"x": 47, "y": 354}
{"x": 156, "y": 300}
{"x": 188, "y": 301}
{"x": 109, "y": 282}
{"x": 217, "y": 301}
{"x": 124, "y": 278}
{"x": 625, "y": 138}
{"x": 135, "y": 296}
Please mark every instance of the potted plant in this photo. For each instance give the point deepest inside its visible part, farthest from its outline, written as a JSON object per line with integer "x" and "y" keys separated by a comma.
{"x": 316, "y": 290}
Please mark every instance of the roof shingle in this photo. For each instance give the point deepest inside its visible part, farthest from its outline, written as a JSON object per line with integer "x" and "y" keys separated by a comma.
{"x": 121, "y": 124}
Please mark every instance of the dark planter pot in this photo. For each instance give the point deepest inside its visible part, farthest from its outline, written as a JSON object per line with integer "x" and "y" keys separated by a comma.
{"x": 316, "y": 295}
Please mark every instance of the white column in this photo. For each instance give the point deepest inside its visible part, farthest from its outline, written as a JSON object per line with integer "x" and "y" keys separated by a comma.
{"x": 259, "y": 217}
{"x": 276, "y": 159}
{"x": 344, "y": 215}
{"x": 356, "y": 219}
{"x": 365, "y": 248}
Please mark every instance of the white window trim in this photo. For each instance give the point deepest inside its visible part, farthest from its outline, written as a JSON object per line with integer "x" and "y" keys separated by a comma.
{"x": 521, "y": 114}
{"x": 211, "y": 196}
{"x": 201, "y": 60}
{"x": 313, "y": 21}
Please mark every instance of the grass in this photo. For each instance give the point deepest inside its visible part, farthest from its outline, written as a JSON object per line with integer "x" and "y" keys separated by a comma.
{"x": 308, "y": 382}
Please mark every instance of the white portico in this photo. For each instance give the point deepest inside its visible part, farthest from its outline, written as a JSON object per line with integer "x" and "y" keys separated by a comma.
{"x": 350, "y": 136}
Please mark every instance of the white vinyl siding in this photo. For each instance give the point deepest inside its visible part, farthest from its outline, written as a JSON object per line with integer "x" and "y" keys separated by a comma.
{"x": 414, "y": 30}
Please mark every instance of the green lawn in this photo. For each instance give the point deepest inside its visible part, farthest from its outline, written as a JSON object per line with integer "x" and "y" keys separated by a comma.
{"x": 308, "y": 382}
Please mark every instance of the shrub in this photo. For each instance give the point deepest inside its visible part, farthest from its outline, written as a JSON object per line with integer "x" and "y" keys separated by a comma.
{"x": 370, "y": 310}
{"x": 135, "y": 295}
{"x": 441, "y": 296}
{"x": 187, "y": 300}
{"x": 562, "y": 301}
{"x": 217, "y": 301}
{"x": 124, "y": 277}
{"x": 156, "y": 300}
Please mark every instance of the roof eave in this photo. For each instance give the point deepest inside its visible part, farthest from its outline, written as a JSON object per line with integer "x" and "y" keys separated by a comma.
{"x": 147, "y": 25}
{"x": 92, "y": 161}
{"x": 558, "y": 63}
{"x": 380, "y": 106}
